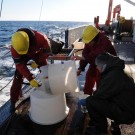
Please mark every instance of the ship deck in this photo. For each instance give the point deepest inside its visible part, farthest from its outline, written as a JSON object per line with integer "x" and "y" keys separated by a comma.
{"x": 76, "y": 121}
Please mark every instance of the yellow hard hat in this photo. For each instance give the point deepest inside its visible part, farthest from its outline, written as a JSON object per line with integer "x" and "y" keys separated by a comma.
{"x": 121, "y": 19}
{"x": 89, "y": 33}
{"x": 20, "y": 42}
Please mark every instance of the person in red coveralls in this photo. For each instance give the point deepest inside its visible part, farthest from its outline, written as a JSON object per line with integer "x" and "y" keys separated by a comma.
{"x": 27, "y": 44}
{"x": 96, "y": 42}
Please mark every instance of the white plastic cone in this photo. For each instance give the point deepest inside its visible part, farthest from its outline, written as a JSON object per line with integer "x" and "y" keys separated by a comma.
{"x": 47, "y": 109}
{"x": 63, "y": 77}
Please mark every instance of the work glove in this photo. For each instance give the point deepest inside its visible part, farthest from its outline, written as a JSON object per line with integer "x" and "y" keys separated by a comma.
{"x": 34, "y": 83}
{"x": 33, "y": 64}
{"x": 82, "y": 102}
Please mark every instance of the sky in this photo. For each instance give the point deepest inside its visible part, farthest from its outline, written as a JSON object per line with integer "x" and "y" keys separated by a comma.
{"x": 62, "y": 10}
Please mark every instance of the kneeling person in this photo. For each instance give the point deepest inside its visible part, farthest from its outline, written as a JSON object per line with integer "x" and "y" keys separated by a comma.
{"x": 115, "y": 97}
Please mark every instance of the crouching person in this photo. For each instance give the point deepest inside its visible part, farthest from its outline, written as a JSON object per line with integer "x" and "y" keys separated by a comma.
{"x": 114, "y": 99}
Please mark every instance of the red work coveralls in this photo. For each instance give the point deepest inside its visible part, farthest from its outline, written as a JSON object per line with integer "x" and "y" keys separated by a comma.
{"x": 37, "y": 53}
{"x": 90, "y": 52}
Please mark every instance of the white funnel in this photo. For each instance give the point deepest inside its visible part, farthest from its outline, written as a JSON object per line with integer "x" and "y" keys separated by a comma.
{"x": 63, "y": 78}
{"x": 47, "y": 109}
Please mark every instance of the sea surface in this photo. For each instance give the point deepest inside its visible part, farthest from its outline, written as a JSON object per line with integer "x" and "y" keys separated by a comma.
{"x": 53, "y": 29}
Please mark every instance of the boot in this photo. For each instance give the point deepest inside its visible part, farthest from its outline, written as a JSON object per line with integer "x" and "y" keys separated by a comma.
{"x": 115, "y": 129}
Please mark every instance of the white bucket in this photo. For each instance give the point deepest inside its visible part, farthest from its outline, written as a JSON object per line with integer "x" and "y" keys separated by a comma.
{"x": 48, "y": 103}
{"x": 63, "y": 77}
{"x": 47, "y": 109}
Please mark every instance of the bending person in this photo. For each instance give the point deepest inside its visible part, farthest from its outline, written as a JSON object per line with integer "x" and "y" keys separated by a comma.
{"x": 27, "y": 44}
{"x": 96, "y": 42}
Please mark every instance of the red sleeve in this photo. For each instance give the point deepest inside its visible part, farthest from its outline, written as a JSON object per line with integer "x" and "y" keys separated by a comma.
{"x": 41, "y": 59}
{"x": 22, "y": 68}
{"x": 21, "y": 65}
{"x": 83, "y": 63}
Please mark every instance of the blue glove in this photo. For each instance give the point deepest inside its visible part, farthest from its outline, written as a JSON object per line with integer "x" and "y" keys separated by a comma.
{"x": 82, "y": 102}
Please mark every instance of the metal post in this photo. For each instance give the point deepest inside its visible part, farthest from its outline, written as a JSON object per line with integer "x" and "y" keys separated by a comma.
{"x": 66, "y": 38}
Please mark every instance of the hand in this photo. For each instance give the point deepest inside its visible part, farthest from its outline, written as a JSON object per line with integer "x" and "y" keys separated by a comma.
{"x": 82, "y": 102}
{"x": 33, "y": 65}
{"x": 34, "y": 83}
{"x": 79, "y": 72}
{"x": 77, "y": 58}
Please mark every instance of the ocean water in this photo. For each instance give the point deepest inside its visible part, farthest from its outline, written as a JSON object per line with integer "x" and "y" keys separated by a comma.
{"x": 52, "y": 29}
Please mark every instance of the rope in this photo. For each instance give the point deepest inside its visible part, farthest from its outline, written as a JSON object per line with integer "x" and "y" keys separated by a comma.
{"x": 41, "y": 10}
{"x": 13, "y": 78}
{"x": 7, "y": 72}
{"x": 1, "y": 8}
{"x": 3, "y": 56}
{"x": 6, "y": 84}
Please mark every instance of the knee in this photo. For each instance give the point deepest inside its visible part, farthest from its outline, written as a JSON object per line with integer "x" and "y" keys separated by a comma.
{"x": 89, "y": 102}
